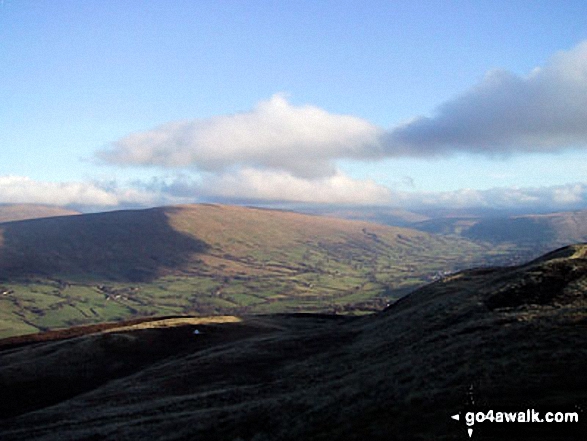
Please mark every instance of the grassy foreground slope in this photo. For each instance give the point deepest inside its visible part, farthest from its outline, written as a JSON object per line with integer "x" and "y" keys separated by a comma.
{"x": 210, "y": 259}
{"x": 501, "y": 339}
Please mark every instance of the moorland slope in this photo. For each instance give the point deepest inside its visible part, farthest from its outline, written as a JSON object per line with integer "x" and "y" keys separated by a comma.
{"x": 507, "y": 339}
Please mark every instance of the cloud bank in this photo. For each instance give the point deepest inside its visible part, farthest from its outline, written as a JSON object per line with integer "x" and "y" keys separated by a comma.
{"x": 559, "y": 197}
{"x": 251, "y": 185}
{"x": 24, "y": 190}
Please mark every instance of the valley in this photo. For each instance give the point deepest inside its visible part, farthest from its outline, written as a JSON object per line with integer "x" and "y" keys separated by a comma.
{"x": 213, "y": 259}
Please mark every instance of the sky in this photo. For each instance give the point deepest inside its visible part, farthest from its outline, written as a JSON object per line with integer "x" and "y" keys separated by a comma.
{"x": 411, "y": 104}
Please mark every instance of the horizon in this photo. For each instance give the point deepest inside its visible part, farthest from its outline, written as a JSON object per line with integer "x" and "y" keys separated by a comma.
{"x": 399, "y": 216}
{"x": 459, "y": 106}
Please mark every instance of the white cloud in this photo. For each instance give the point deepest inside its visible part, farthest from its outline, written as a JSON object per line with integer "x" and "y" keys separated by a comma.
{"x": 21, "y": 189}
{"x": 570, "y": 196}
{"x": 253, "y": 184}
{"x": 544, "y": 111}
{"x": 302, "y": 140}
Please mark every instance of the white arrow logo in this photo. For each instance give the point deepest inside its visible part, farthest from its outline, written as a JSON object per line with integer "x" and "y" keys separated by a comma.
{"x": 455, "y": 417}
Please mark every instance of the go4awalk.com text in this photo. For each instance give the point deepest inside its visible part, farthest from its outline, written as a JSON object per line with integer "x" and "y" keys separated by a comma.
{"x": 524, "y": 422}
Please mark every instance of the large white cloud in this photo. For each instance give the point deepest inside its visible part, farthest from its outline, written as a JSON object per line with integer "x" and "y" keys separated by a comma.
{"x": 544, "y": 111}
{"x": 302, "y": 140}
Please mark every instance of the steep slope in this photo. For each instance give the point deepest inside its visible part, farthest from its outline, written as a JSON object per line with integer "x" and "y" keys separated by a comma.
{"x": 123, "y": 245}
{"x": 209, "y": 259}
{"x": 15, "y": 212}
{"x": 506, "y": 339}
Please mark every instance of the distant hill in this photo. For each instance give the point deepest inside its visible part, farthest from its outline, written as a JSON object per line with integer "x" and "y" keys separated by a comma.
{"x": 206, "y": 259}
{"x": 540, "y": 231}
{"x": 15, "y": 212}
{"x": 396, "y": 217}
{"x": 446, "y": 225}
{"x": 499, "y": 339}
{"x": 551, "y": 230}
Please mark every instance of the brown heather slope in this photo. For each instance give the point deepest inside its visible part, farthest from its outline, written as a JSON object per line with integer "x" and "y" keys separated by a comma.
{"x": 15, "y": 212}
{"x": 502, "y": 339}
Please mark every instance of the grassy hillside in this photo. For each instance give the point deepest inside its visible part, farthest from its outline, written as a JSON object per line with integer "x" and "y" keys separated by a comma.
{"x": 209, "y": 259}
{"x": 501, "y": 339}
{"x": 14, "y": 212}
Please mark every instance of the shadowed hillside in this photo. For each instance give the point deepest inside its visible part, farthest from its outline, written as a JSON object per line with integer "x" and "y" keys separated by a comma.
{"x": 123, "y": 245}
{"x": 532, "y": 230}
{"x": 502, "y": 339}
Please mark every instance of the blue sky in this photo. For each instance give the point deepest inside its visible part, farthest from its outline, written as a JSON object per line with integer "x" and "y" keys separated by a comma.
{"x": 107, "y": 104}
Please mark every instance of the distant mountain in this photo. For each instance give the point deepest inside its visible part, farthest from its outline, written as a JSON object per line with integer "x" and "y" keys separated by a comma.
{"x": 541, "y": 231}
{"x": 446, "y": 225}
{"x": 396, "y": 217}
{"x": 16, "y": 212}
{"x": 205, "y": 259}
{"x": 555, "y": 229}
{"x": 501, "y": 340}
